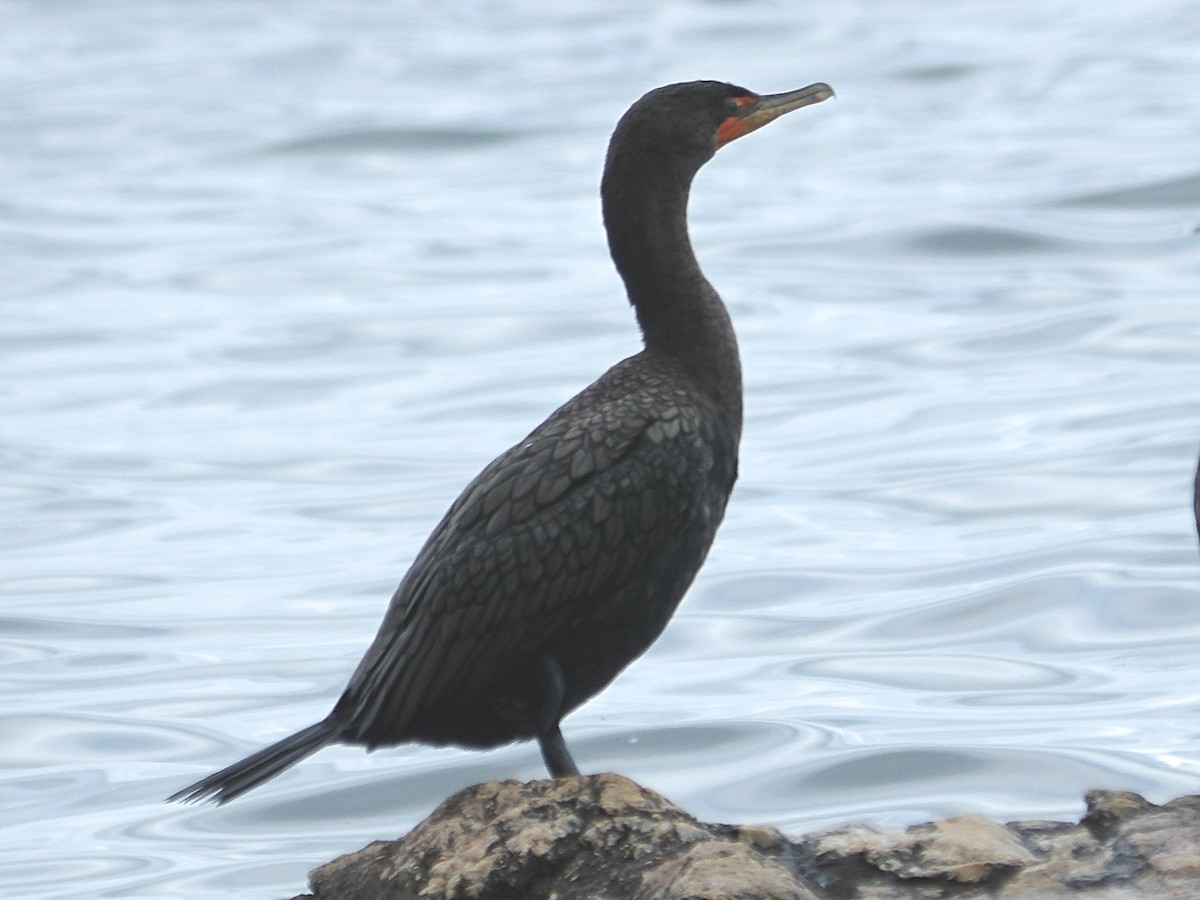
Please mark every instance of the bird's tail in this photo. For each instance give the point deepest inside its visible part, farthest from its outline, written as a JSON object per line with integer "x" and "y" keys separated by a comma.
{"x": 264, "y": 765}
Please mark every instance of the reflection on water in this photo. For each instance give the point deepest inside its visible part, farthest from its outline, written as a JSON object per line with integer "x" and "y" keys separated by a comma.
{"x": 277, "y": 287}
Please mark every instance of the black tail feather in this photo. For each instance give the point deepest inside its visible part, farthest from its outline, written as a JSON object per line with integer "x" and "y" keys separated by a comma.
{"x": 256, "y": 768}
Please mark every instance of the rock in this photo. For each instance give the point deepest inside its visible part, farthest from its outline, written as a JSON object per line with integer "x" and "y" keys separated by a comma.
{"x": 598, "y": 837}
{"x": 603, "y": 837}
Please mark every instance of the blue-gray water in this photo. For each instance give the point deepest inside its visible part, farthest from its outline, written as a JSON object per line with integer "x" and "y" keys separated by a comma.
{"x": 278, "y": 278}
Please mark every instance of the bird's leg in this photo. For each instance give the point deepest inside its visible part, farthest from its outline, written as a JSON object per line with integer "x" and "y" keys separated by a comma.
{"x": 554, "y": 749}
{"x": 555, "y": 753}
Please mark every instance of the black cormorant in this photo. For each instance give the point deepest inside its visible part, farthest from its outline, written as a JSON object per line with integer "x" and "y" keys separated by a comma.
{"x": 565, "y": 558}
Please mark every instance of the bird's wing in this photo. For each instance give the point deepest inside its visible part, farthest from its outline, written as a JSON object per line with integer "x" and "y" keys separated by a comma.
{"x": 559, "y": 522}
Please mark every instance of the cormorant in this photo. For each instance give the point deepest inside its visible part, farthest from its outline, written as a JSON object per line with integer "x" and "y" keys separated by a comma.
{"x": 1196, "y": 499}
{"x": 565, "y": 558}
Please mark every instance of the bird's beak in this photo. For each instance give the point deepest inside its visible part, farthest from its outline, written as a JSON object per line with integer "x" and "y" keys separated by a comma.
{"x": 758, "y": 111}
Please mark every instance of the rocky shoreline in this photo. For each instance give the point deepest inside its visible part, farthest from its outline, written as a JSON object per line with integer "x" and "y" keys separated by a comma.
{"x": 604, "y": 837}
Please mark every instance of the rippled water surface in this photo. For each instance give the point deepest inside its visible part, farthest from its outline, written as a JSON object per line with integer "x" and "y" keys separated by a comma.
{"x": 279, "y": 278}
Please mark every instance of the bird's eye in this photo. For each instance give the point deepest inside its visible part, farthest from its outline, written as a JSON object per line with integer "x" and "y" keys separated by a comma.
{"x": 736, "y": 106}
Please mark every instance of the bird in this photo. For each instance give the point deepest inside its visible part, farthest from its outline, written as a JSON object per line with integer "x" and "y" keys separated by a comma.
{"x": 1196, "y": 499}
{"x": 564, "y": 559}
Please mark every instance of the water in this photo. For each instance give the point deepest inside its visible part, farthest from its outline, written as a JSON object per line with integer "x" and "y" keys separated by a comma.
{"x": 279, "y": 278}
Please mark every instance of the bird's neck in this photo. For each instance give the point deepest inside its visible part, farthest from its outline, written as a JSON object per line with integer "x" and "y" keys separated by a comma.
{"x": 680, "y": 313}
